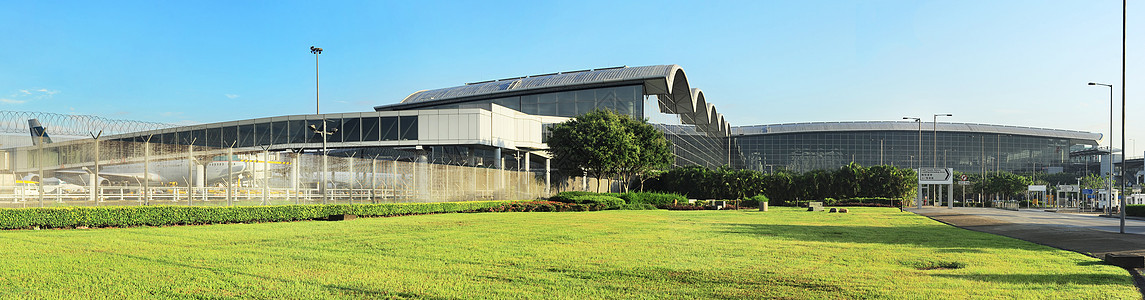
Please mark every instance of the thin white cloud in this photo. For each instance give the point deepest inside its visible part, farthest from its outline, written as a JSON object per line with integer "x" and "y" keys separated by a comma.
{"x": 25, "y": 95}
{"x": 231, "y": 96}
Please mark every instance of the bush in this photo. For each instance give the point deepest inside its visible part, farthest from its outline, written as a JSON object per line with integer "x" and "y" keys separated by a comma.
{"x": 1136, "y": 210}
{"x": 829, "y": 201}
{"x": 608, "y": 202}
{"x": 655, "y": 199}
{"x": 754, "y": 201}
{"x": 126, "y": 216}
{"x": 566, "y": 197}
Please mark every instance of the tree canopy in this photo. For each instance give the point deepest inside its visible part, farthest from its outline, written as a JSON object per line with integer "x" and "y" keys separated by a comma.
{"x": 605, "y": 144}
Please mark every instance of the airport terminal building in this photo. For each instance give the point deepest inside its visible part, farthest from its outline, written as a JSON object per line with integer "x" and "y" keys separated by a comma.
{"x": 501, "y": 124}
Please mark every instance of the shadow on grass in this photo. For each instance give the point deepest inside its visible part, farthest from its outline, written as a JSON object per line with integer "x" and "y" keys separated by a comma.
{"x": 1046, "y": 279}
{"x": 944, "y": 239}
{"x": 625, "y": 279}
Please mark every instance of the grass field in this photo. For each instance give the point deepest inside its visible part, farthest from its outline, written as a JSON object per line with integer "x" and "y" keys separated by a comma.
{"x": 785, "y": 253}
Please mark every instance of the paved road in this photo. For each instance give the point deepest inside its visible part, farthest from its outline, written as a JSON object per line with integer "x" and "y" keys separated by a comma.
{"x": 1087, "y": 234}
{"x": 1041, "y": 217}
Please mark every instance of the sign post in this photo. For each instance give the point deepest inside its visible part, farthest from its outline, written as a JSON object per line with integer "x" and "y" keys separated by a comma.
{"x": 940, "y": 176}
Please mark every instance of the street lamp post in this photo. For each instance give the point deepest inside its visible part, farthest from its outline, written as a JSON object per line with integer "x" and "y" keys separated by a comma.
{"x": 1109, "y": 180}
{"x": 918, "y": 196}
{"x": 934, "y": 155}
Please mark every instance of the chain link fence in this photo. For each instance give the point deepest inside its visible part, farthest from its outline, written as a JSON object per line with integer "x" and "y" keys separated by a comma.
{"x": 117, "y": 173}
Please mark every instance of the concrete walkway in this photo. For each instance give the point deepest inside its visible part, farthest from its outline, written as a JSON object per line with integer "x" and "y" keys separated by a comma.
{"x": 1087, "y": 234}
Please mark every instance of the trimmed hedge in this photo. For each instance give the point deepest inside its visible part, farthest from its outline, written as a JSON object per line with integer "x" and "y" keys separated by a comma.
{"x": 566, "y": 197}
{"x": 654, "y": 199}
{"x": 754, "y": 201}
{"x": 126, "y": 216}
{"x": 609, "y": 202}
{"x": 628, "y": 200}
{"x": 1136, "y": 210}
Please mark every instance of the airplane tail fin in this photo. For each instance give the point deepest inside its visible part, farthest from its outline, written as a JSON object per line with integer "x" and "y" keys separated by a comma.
{"x": 38, "y": 132}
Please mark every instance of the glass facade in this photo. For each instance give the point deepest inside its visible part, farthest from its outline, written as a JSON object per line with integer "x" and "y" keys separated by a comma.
{"x": 362, "y": 129}
{"x": 626, "y": 100}
{"x": 963, "y": 151}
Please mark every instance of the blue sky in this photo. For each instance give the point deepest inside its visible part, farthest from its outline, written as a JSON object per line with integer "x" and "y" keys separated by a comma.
{"x": 1021, "y": 63}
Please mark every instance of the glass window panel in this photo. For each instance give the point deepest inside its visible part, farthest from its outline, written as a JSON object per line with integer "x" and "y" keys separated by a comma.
{"x": 351, "y": 132}
{"x": 246, "y": 135}
{"x": 546, "y": 109}
{"x": 585, "y": 95}
{"x": 262, "y": 134}
{"x": 213, "y": 137}
{"x": 510, "y": 102}
{"x": 408, "y": 127}
{"x": 547, "y": 98}
{"x": 369, "y": 129}
{"x": 624, "y": 107}
{"x": 299, "y": 133}
{"x": 281, "y": 133}
{"x": 529, "y": 104}
{"x": 198, "y": 137}
{"x": 389, "y": 129}
{"x": 567, "y": 109}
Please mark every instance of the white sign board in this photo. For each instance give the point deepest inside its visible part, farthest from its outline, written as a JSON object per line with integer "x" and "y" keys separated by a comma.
{"x": 963, "y": 182}
{"x": 1068, "y": 188}
{"x": 935, "y": 176}
{"x": 1037, "y": 188}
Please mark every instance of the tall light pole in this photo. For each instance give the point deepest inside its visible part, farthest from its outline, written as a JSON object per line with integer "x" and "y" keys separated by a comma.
{"x": 1124, "y": 3}
{"x": 316, "y": 52}
{"x": 918, "y": 197}
{"x": 934, "y": 135}
{"x": 317, "y": 111}
{"x": 1109, "y": 180}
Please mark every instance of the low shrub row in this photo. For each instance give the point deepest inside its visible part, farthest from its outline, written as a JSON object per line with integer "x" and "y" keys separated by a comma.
{"x": 126, "y": 216}
{"x": 1136, "y": 210}
{"x": 633, "y": 200}
{"x": 541, "y": 206}
{"x": 609, "y": 202}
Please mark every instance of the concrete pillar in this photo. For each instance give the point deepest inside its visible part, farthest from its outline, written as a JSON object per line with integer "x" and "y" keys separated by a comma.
{"x": 498, "y": 161}
{"x": 950, "y": 196}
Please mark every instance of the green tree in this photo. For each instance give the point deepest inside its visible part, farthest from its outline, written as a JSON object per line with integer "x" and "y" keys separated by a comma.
{"x": 847, "y": 180}
{"x": 605, "y": 144}
{"x": 654, "y": 151}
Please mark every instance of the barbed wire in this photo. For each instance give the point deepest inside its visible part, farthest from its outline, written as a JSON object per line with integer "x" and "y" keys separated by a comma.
{"x": 76, "y": 125}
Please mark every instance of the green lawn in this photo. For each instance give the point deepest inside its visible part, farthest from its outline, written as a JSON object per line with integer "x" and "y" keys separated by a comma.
{"x": 785, "y": 253}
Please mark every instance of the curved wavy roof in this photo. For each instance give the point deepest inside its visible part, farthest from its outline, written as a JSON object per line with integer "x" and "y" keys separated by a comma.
{"x": 912, "y": 126}
{"x": 668, "y": 82}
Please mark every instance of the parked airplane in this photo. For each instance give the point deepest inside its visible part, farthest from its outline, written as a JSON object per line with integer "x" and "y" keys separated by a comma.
{"x": 179, "y": 171}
